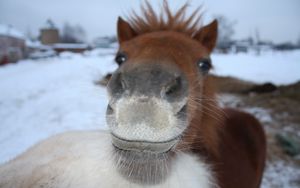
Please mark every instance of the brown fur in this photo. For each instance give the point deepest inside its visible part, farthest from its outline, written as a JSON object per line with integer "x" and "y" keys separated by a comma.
{"x": 232, "y": 142}
{"x": 150, "y": 21}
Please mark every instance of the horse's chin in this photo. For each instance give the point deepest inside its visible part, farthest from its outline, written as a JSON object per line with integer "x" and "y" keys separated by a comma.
{"x": 143, "y": 162}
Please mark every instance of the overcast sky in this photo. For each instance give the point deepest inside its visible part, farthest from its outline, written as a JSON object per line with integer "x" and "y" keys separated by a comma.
{"x": 276, "y": 20}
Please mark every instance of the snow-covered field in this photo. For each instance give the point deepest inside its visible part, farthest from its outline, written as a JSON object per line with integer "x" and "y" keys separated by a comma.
{"x": 40, "y": 98}
{"x": 277, "y": 67}
{"x": 45, "y": 97}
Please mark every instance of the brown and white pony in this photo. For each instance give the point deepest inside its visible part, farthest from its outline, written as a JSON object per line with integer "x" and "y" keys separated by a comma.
{"x": 166, "y": 129}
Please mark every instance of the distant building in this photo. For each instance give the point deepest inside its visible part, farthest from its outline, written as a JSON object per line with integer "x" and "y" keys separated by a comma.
{"x": 50, "y": 37}
{"x": 49, "y": 34}
{"x": 224, "y": 47}
{"x": 243, "y": 46}
{"x": 12, "y": 45}
{"x": 104, "y": 42}
{"x": 36, "y": 50}
{"x": 285, "y": 46}
{"x": 70, "y": 47}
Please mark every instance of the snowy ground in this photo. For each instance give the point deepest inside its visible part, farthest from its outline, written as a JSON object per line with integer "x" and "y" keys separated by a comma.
{"x": 45, "y": 97}
{"x": 277, "y": 67}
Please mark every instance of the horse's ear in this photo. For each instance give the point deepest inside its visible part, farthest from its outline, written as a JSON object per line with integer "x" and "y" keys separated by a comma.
{"x": 207, "y": 35}
{"x": 125, "y": 31}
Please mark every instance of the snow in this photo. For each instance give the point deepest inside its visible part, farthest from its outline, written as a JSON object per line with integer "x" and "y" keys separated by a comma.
{"x": 43, "y": 97}
{"x": 70, "y": 45}
{"x": 7, "y": 30}
{"x": 277, "y": 67}
{"x": 280, "y": 174}
{"x": 260, "y": 113}
{"x": 33, "y": 44}
{"x": 42, "y": 54}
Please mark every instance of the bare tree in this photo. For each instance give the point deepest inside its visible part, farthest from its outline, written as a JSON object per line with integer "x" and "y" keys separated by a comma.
{"x": 72, "y": 34}
{"x": 50, "y": 24}
{"x": 225, "y": 31}
{"x": 257, "y": 36}
{"x": 29, "y": 34}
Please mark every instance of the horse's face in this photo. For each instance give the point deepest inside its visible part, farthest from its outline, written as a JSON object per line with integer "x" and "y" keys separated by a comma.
{"x": 153, "y": 91}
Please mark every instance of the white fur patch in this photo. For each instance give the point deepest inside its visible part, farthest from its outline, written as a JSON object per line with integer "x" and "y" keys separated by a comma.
{"x": 84, "y": 159}
{"x": 154, "y": 120}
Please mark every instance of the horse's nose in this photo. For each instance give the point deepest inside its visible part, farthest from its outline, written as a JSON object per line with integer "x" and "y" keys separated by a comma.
{"x": 148, "y": 82}
{"x": 172, "y": 87}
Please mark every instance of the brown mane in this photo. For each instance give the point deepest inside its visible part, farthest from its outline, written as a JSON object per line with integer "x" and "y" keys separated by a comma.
{"x": 150, "y": 21}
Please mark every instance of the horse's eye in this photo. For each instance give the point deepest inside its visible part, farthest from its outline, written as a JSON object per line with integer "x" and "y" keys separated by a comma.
{"x": 204, "y": 65}
{"x": 120, "y": 58}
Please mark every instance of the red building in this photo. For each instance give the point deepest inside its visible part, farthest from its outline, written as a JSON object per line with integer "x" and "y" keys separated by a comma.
{"x": 12, "y": 45}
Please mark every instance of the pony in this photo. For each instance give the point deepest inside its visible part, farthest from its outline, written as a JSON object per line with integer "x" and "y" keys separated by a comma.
{"x": 165, "y": 126}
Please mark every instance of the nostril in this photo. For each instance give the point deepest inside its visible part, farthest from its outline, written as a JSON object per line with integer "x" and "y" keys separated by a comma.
{"x": 109, "y": 110}
{"x": 173, "y": 86}
{"x": 123, "y": 83}
{"x": 117, "y": 84}
{"x": 182, "y": 112}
